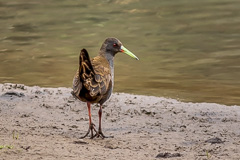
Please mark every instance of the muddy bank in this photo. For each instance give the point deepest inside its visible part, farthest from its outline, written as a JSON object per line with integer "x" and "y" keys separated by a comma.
{"x": 46, "y": 123}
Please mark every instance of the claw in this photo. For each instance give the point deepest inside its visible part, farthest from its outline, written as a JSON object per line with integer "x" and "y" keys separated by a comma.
{"x": 92, "y": 125}
{"x": 91, "y": 128}
{"x": 97, "y": 134}
{"x": 100, "y": 134}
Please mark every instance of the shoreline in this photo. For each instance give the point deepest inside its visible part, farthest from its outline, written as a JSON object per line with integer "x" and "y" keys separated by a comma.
{"x": 49, "y": 122}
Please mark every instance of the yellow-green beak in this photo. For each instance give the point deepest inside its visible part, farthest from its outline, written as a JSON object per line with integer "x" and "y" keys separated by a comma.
{"x": 126, "y": 51}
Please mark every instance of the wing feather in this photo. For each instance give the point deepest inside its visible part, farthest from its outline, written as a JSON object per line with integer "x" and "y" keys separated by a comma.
{"x": 94, "y": 75}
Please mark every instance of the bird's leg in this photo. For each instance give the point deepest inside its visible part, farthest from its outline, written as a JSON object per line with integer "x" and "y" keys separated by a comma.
{"x": 91, "y": 125}
{"x": 99, "y": 133}
{"x": 100, "y": 121}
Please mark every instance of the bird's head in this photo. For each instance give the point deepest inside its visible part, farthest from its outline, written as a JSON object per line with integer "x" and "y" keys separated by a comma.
{"x": 113, "y": 46}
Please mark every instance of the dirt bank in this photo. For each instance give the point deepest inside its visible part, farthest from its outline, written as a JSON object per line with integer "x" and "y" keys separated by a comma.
{"x": 46, "y": 123}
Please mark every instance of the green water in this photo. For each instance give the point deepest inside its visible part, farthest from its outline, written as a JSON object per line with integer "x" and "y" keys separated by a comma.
{"x": 189, "y": 50}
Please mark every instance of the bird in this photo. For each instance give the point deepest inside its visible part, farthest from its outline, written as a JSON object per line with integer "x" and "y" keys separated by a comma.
{"x": 94, "y": 79}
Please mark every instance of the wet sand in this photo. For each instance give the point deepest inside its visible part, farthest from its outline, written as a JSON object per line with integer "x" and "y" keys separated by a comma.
{"x": 46, "y": 123}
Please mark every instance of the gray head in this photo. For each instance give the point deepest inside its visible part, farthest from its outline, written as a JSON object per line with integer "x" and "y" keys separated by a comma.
{"x": 111, "y": 46}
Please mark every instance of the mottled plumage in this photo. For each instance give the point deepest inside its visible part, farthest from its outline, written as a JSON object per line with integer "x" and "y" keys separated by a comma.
{"x": 93, "y": 81}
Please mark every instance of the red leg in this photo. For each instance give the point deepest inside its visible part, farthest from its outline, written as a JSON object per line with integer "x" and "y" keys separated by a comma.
{"x": 100, "y": 134}
{"x": 89, "y": 112}
{"x": 100, "y": 119}
{"x": 90, "y": 118}
{"x": 91, "y": 125}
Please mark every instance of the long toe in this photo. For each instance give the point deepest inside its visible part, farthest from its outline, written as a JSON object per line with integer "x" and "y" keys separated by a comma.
{"x": 85, "y": 134}
{"x": 100, "y": 134}
{"x": 91, "y": 129}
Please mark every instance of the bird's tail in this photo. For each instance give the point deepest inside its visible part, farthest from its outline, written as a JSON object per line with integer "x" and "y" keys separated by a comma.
{"x": 85, "y": 66}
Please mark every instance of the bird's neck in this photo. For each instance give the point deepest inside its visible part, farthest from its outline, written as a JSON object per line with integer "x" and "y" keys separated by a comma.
{"x": 112, "y": 70}
{"x": 110, "y": 60}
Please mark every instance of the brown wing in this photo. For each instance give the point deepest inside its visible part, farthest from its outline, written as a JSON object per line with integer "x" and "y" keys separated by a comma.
{"x": 102, "y": 75}
{"x": 93, "y": 76}
{"x": 84, "y": 67}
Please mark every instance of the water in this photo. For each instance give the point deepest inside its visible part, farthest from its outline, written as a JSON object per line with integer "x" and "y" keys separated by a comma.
{"x": 188, "y": 49}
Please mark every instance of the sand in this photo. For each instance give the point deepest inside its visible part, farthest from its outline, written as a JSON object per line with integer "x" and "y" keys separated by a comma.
{"x": 47, "y": 123}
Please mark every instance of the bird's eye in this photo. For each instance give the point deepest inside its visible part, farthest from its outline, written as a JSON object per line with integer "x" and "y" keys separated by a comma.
{"x": 115, "y": 45}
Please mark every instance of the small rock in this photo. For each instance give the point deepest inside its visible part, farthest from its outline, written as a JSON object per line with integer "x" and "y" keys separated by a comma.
{"x": 74, "y": 126}
{"x": 214, "y": 140}
{"x": 146, "y": 112}
{"x": 168, "y": 155}
{"x": 80, "y": 142}
{"x": 12, "y": 93}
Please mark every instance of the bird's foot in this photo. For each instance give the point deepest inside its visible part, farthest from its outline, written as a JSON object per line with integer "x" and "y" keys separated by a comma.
{"x": 100, "y": 134}
{"x": 90, "y": 129}
{"x": 97, "y": 134}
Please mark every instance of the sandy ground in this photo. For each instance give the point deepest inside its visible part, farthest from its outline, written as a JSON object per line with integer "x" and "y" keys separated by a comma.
{"x": 46, "y": 123}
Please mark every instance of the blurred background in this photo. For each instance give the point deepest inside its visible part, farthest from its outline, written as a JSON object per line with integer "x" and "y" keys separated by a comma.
{"x": 189, "y": 50}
